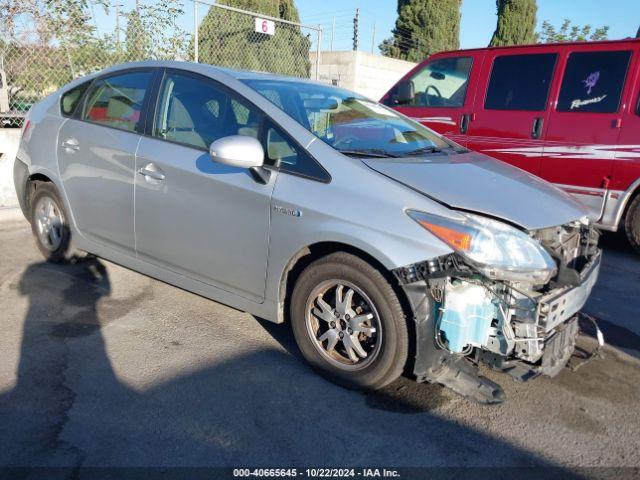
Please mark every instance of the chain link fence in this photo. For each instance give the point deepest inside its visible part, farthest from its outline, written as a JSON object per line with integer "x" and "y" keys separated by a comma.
{"x": 46, "y": 43}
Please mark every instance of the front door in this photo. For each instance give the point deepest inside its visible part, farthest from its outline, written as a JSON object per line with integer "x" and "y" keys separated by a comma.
{"x": 96, "y": 156}
{"x": 510, "y": 114}
{"x": 197, "y": 218}
{"x": 584, "y": 127}
{"x": 443, "y": 93}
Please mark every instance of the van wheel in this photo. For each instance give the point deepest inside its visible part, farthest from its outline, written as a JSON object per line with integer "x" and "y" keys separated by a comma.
{"x": 348, "y": 322}
{"x": 632, "y": 224}
{"x": 49, "y": 223}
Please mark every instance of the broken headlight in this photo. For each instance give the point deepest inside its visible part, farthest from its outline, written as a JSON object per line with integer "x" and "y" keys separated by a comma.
{"x": 497, "y": 250}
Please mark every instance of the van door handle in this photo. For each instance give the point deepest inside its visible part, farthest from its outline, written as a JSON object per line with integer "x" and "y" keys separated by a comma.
{"x": 71, "y": 144}
{"x": 464, "y": 123}
{"x": 536, "y": 130}
{"x": 151, "y": 172}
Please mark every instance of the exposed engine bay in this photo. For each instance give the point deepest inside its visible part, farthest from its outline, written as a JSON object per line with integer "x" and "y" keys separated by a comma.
{"x": 519, "y": 327}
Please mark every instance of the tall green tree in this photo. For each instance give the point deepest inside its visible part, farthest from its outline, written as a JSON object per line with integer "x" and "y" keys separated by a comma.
{"x": 424, "y": 27}
{"x": 516, "y": 23}
{"x": 229, "y": 39}
{"x": 571, "y": 33}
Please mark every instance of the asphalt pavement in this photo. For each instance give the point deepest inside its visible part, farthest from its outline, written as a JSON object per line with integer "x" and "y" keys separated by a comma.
{"x": 102, "y": 366}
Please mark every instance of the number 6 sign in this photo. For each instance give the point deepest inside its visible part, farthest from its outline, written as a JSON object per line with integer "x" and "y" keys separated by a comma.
{"x": 266, "y": 27}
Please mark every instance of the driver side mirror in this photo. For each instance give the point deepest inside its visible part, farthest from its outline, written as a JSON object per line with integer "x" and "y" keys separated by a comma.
{"x": 406, "y": 92}
{"x": 243, "y": 152}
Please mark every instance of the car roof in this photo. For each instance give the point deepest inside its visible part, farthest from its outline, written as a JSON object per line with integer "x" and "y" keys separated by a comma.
{"x": 585, "y": 44}
{"x": 204, "y": 67}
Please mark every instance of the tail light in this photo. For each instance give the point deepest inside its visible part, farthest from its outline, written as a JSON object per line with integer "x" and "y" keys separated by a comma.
{"x": 25, "y": 127}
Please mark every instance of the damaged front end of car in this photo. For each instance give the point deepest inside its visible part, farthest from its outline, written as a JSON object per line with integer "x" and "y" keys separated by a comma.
{"x": 505, "y": 297}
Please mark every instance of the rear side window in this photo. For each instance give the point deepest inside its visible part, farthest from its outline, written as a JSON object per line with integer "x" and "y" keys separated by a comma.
{"x": 520, "y": 82}
{"x": 116, "y": 101}
{"x": 442, "y": 83}
{"x": 593, "y": 82}
{"x": 69, "y": 100}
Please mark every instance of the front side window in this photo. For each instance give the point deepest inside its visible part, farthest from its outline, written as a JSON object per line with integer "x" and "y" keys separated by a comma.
{"x": 442, "y": 83}
{"x": 520, "y": 82}
{"x": 117, "y": 101}
{"x": 348, "y": 122}
{"x": 593, "y": 82}
{"x": 195, "y": 111}
{"x": 70, "y": 99}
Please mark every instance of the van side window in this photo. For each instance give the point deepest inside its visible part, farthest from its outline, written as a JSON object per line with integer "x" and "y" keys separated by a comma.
{"x": 441, "y": 83}
{"x": 593, "y": 82}
{"x": 69, "y": 100}
{"x": 116, "y": 101}
{"x": 520, "y": 82}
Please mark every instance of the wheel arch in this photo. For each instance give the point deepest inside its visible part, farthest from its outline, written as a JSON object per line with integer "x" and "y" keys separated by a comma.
{"x": 634, "y": 192}
{"x": 308, "y": 254}
{"x": 33, "y": 180}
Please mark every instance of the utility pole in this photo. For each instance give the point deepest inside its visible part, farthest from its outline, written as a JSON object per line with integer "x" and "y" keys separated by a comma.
{"x": 373, "y": 38}
{"x": 333, "y": 29}
{"x": 356, "y": 21}
{"x": 117, "y": 6}
{"x": 196, "y": 38}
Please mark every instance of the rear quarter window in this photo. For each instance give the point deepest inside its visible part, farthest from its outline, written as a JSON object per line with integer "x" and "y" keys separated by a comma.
{"x": 593, "y": 82}
{"x": 70, "y": 99}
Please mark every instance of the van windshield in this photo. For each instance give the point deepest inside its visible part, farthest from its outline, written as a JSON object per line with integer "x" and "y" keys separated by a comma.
{"x": 351, "y": 123}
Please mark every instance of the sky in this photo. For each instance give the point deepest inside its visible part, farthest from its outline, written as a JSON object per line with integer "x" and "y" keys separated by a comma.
{"x": 478, "y": 18}
{"x": 377, "y": 18}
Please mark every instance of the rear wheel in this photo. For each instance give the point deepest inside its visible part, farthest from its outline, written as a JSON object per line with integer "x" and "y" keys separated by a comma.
{"x": 632, "y": 224}
{"x": 348, "y": 322}
{"x": 49, "y": 223}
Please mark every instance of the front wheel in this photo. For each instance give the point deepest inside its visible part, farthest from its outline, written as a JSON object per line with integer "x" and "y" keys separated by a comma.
{"x": 49, "y": 223}
{"x": 632, "y": 224}
{"x": 348, "y": 322}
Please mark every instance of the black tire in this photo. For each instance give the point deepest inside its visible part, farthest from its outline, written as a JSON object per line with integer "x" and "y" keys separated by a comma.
{"x": 391, "y": 355}
{"x": 60, "y": 252}
{"x": 632, "y": 224}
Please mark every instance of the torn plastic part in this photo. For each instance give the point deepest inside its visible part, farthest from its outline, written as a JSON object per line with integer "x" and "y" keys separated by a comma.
{"x": 440, "y": 267}
{"x": 434, "y": 365}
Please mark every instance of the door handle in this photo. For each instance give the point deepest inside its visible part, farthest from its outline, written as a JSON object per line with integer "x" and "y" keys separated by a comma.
{"x": 536, "y": 130}
{"x": 464, "y": 123}
{"x": 150, "y": 171}
{"x": 71, "y": 144}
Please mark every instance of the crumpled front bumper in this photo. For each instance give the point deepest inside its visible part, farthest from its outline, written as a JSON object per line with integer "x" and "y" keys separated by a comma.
{"x": 560, "y": 305}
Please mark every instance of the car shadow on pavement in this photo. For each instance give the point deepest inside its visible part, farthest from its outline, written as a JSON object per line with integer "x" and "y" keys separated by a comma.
{"x": 260, "y": 407}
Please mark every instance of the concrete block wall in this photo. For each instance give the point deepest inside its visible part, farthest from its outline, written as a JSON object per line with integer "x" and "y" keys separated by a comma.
{"x": 364, "y": 73}
{"x": 9, "y": 142}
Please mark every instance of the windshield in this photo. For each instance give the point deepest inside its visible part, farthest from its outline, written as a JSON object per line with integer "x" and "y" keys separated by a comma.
{"x": 350, "y": 123}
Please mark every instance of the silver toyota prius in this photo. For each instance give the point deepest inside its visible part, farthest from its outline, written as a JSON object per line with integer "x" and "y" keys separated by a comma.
{"x": 386, "y": 247}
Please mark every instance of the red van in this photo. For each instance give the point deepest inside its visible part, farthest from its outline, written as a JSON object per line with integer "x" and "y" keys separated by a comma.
{"x": 569, "y": 113}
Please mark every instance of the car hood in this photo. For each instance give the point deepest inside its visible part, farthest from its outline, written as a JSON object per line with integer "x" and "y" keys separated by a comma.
{"x": 477, "y": 183}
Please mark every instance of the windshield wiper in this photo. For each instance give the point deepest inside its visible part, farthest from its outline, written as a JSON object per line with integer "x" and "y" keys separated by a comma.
{"x": 370, "y": 152}
{"x": 421, "y": 150}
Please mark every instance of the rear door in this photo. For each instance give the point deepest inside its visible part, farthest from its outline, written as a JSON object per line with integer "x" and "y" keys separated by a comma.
{"x": 511, "y": 106}
{"x": 96, "y": 156}
{"x": 584, "y": 126}
{"x": 443, "y": 93}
